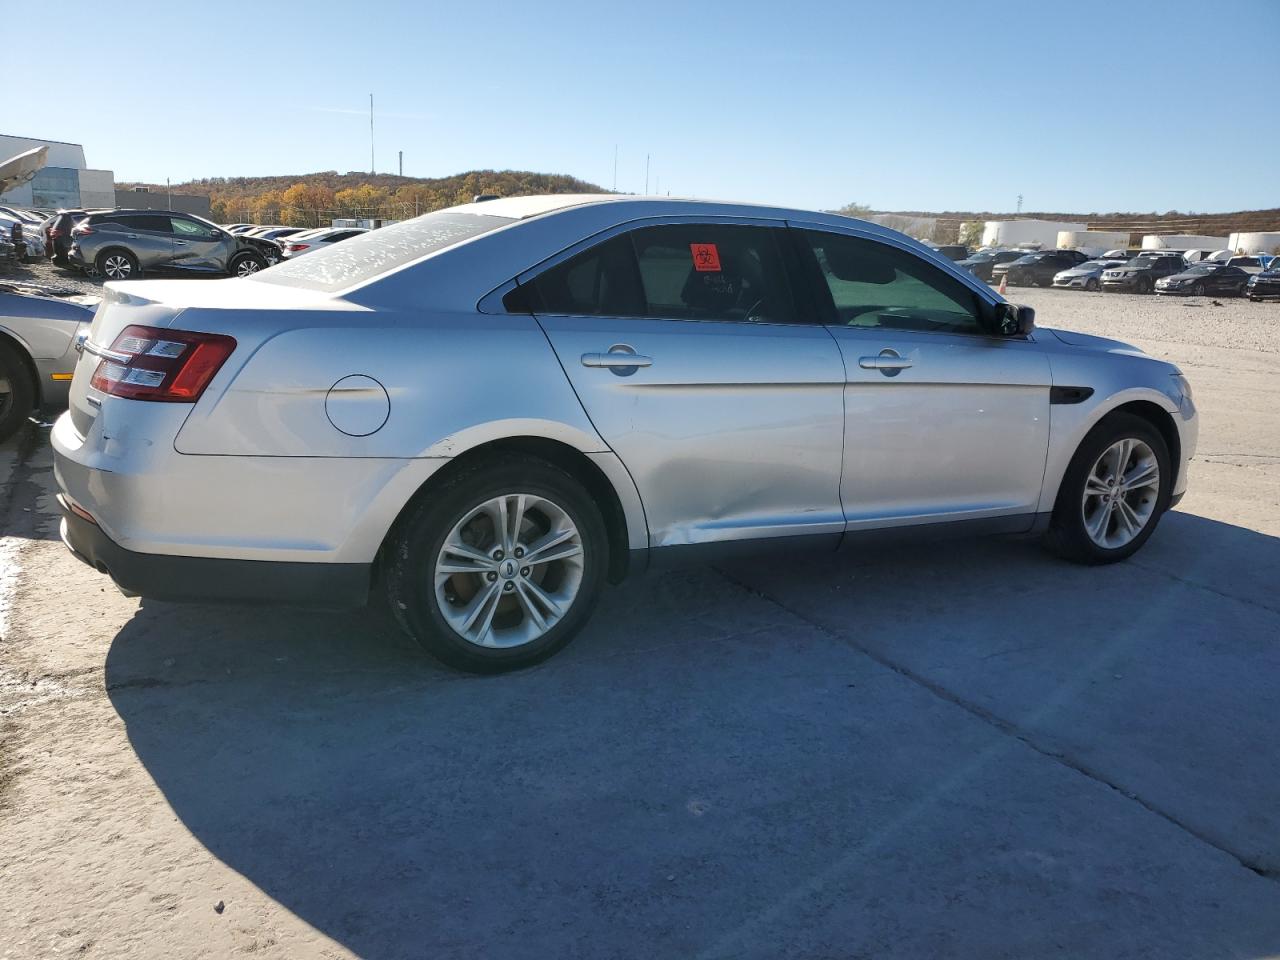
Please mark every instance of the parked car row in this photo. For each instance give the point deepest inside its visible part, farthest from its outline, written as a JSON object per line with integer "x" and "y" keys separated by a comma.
{"x": 122, "y": 244}
{"x": 1175, "y": 272}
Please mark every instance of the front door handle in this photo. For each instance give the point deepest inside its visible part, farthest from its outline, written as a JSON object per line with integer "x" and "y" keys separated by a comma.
{"x": 620, "y": 357}
{"x": 181, "y": 243}
{"x": 888, "y": 362}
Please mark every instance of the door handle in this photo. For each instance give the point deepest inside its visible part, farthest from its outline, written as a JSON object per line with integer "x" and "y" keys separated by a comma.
{"x": 884, "y": 363}
{"x": 621, "y": 360}
{"x": 131, "y": 236}
{"x": 614, "y": 360}
{"x": 181, "y": 243}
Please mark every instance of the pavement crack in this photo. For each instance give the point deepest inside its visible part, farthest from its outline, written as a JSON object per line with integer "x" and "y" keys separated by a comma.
{"x": 1005, "y": 727}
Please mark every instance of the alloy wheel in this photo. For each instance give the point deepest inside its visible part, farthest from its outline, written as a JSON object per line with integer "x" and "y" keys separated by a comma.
{"x": 509, "y": 570}
{"x": 1120, "y": 493}
{"x": 247, "y": 267}
{"x": 117, "y": 267}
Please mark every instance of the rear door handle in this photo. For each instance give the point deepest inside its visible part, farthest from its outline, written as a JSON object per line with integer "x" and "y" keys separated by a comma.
{"x": 884, "y": 363}
{"x": 181, "y": 243}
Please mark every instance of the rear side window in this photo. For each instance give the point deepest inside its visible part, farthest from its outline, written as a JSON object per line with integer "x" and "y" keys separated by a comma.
{"x": 713, "y": 272}
{"x": 337, "y": 266}
{"x": 872, "y": 284}
{"x": 675, "y": 272}
{"x": 143, "y": 221}
{"x": 600, "y": 282}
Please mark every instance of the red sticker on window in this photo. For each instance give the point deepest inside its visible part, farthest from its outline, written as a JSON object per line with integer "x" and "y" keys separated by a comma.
{"x": 706, "y": 258}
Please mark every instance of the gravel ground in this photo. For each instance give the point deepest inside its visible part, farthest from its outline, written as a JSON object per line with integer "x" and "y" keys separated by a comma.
{"x": 975, "y": 751}
{"x": 41, "y": 276}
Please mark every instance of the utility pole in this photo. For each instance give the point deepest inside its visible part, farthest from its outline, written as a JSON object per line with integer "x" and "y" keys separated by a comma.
{"x": 615, "y": 168}
{"x": 402, "y": 163}
{"x": 372, "y": 167}
{"x": 1019, "y": 203}
{"x": 646, "y": 174}
{"x": 169, "y": 190}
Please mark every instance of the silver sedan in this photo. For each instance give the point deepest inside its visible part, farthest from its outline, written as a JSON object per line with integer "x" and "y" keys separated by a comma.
{"x": 37, "y": 354}
{"x": 481, "y": 415}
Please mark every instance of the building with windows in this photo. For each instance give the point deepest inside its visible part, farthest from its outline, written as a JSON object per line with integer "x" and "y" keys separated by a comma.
{"x": 65, "y": 180}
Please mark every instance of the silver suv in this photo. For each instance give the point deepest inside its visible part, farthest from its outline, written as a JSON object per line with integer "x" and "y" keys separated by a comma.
{"x": 121, "y": 244}
{"x": 485, "y": 413}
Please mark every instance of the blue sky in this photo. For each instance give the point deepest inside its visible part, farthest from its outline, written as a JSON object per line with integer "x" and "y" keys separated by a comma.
{"x": 1082, "y": 106}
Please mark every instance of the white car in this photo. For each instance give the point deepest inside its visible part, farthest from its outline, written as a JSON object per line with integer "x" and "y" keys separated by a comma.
{"x": 314, "y": 240}
{"x": 483, "y": 414}
{"x": 31, "y": 236}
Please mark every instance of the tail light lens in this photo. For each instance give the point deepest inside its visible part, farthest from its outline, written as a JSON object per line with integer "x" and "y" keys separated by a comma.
{"x": 296, "y": 247}
{"x": 171, "y": 366}
{"x": 80, "y": 230}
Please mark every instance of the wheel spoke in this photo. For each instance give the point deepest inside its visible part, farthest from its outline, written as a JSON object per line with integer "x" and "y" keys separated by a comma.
{"x": 526, "y": 596}
{"x": 444, "y": 568}
{"x": 536, "y": 591}
{"x": 516, "y": 510}
{"x": 1143, "y": 475}
{"x": 482, "y": 608}
{"x": 1128, "y": 519}
{"x": 1095, "y": 486}
{"x": 459, "y": 549}
{"x": 552, "y": 539}
{"x": 1124, "y": 449}
{"x": 563, "y": 553}
{"x": 1098, "y": 525}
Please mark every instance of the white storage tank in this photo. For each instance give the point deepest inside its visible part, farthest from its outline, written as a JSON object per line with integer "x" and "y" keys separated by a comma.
{"x": 1092, "y": 243}
{"x": 1015, "y": 233}
{"x": 1255, "y": 242}
{"x": 1181, "y": 241}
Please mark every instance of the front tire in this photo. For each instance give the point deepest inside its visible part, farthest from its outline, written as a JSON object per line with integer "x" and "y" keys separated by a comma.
{"x": 499, "y": 567}
{"x": 1116, "y": 489}
{"x": 1092, "y": 285}
{"x": 246, "y": 265}
{"x": 17, "y": 392}
{"x": 1144, "y": 285}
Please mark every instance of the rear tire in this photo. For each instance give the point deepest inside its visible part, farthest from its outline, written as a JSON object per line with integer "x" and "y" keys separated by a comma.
{"x": 1144, "y": 285}
{"x": 117, "y": 264}
{"x": 1197, "y": 290}
{"x": 479, "y": 599}
{"x": 1092, "y": 285}
{"x": 1092, "y": 517}
{"x": 17, "y": 392}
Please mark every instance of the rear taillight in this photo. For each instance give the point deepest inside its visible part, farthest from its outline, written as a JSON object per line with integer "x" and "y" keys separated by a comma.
{"x": 173, "y": 366}
{"x": 295, "y": 247}
{"x": 81, "y": 230}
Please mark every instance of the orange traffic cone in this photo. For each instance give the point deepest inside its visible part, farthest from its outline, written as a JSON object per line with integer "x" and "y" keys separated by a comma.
{"x": 1004, "y": 284}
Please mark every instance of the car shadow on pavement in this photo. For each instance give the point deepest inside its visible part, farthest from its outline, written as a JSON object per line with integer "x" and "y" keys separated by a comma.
{"x": 717, "y": 767}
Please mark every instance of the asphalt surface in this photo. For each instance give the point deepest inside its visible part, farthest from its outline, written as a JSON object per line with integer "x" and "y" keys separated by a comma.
{"x": 965, "y": 750}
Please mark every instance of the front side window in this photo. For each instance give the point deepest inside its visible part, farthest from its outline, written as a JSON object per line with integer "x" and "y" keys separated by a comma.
{"x": 872, "y": 284}
{"x": 189, "y": 228}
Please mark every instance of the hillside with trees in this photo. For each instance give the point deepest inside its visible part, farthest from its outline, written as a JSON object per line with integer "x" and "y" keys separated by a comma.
{"x": 313, "y": 199}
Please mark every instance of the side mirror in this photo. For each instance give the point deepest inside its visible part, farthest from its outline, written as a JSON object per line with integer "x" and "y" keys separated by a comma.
{"x": 1014, "y": 320}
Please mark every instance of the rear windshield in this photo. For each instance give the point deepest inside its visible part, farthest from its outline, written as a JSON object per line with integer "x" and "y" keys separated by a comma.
{"x": 368, "y": 255}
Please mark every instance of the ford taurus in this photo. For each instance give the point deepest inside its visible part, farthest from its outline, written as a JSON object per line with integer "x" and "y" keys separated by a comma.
{"x": 482, "y": 415}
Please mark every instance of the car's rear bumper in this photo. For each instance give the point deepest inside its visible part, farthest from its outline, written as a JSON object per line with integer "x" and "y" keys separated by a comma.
{"x": 210, "y": 579}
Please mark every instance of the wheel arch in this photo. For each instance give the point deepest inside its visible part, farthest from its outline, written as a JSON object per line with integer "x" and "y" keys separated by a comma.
{"x": 1162, "y": 420}
{"x": 1075, "y": 422}
{"x": 10, "y": 341}
{"x": 594, "y": 471}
